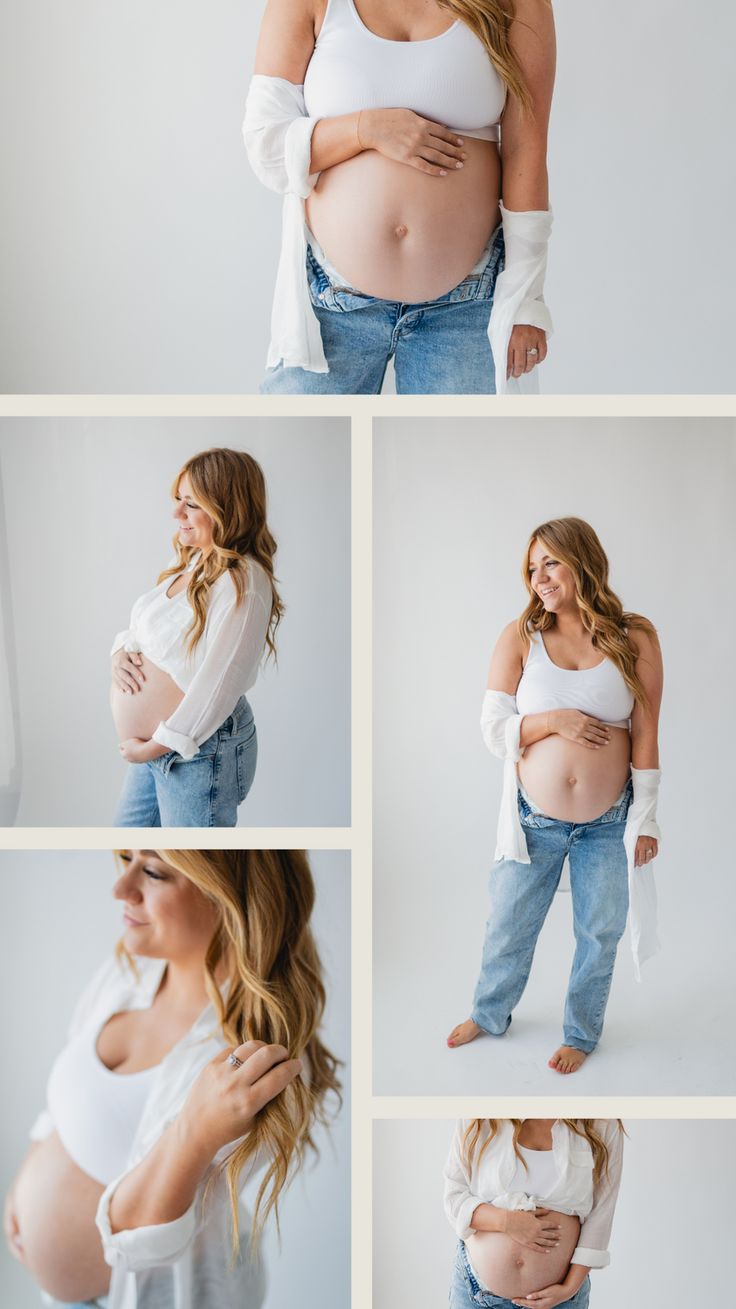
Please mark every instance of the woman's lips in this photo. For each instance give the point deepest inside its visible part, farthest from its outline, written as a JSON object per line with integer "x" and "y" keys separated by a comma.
{"x": 132, "y": 922}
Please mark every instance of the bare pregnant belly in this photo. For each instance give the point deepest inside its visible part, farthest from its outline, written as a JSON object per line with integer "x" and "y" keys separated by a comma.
{"x": 571, "y": 782}
{"x": 56, "y": 1205}
{"x": 509, "y": 1269}
{"x": 399, "y": 234}
{"x": 139, "y": 714}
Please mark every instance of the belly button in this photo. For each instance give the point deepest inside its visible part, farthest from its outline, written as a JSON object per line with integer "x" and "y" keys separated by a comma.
{"x": 573, "y": 781}
{"x": 519, "y": 1263}
{"x": 401, "y": 230}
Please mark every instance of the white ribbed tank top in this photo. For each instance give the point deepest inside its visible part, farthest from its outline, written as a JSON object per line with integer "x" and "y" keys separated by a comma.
{"x": 448, "y": 78}
{"x": 599, "y": 691}
{"x": 540, "y": 1175}
{"x": 95, "y": 1111}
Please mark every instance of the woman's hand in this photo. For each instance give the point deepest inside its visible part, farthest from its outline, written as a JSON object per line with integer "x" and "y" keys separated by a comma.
{"x": 647, "y": 848}
{"x": 527, "y": 348}
{"x": 546, "y": 1298}
{"x": 137, "y": 751}
{"x": 579, "y": 727}
{"x": 224, "y": 1100}
{"x": 402, "y": 135}
{"x": 534, "y": 1229}
{"x": 11, "y": 1228}
{"x": 127, "y": 673}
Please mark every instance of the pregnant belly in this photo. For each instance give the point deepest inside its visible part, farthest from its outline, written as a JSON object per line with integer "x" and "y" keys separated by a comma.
{"x": 56, "y": 1204}
{"x": 572, "y": 782}
{"x": 140, "y": 713}
{"x": 510, "y": 1270}
{"x": 399, "y": 234}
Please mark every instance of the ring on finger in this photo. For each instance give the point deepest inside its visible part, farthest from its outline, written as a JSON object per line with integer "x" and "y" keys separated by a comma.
{"x": 233, "y": 1059}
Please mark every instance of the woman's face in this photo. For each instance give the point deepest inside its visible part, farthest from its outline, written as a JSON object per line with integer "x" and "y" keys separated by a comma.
{"x": 551, "y": 580}
{"x": 165, "y": 916}
{"x": 195, "y": 526}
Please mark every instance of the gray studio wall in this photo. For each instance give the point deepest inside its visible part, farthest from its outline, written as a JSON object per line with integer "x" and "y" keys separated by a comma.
{"x": 454, "y": 502}
{"x": 58, "y": 923}
{"x": 139, "y": 252}
{"x": 89, "y": 527}
{"x": 671, "y": 1235}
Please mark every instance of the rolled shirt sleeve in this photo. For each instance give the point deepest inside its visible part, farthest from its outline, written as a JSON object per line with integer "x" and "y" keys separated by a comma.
{"x": 278, "y": 135}
{"x": 460, "y": 1201}
{"x": 139, "y": 1248}
{"x": 235, "y": 636}
{"x": 595, "y": 1231}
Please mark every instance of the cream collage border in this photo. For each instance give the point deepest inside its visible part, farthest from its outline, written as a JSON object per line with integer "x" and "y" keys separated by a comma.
{"x": 365, "y": 1107}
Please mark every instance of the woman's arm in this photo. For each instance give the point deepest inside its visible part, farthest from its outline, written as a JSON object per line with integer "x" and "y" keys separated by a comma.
{"x": 219, "y": 1109}
{"x": 524, "y": 134}
{"x": 645, "y": 721}
{"x": 524, "y": 184}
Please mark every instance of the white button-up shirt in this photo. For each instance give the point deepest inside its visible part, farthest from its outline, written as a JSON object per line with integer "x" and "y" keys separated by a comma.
{"x": 487, "y": 1181}
{"x": 223, "y": 665}
{"x": 185, "y": 1264}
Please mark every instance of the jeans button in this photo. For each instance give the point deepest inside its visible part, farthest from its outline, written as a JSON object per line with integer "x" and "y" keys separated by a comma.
{"x": 321, "y": 295}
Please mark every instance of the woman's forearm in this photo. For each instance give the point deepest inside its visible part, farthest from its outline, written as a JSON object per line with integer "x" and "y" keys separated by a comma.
{"x": 644, "y": 745}
{"x": 336, "y": 139}
{"x": 535, "y": 727}
{"x": 487, "y": 1218}
{"x": 574, "y": 1278}
{"x": 525, "y": 184}
{"x": 163, "y": 1185}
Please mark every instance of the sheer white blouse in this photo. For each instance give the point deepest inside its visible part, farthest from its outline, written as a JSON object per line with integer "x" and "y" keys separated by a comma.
{"x": 225, "y": 662}
{"x": 488, "y": 1178}
{"x": 184, "y": 1264}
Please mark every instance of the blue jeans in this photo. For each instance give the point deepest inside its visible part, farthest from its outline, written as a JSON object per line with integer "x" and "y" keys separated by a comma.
{"x": 466, "y": 1291}
{"x": 439, "y": 347}
{"x": 521, "y": 895}
{"x": 201, "y": 792}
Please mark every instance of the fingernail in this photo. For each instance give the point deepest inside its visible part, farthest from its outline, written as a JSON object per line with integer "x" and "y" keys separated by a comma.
{"x": 460, "y": 140}
{"x": 443, "y": 172}
{"x": 458, "y": 164}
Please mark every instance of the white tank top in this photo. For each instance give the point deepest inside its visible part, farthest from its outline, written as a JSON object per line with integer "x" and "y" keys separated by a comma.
{"x": 540, "y": 1175}
{"x": 95, "y": 1111}
{"x": 600, "y": 691}
{"x": 448, "y": 78}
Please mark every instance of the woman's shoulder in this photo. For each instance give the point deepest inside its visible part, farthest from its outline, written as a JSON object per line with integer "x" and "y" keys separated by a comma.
{"x": 641, "y": 633}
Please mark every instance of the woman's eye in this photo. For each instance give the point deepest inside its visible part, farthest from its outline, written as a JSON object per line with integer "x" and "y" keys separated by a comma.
{"x": 155, "y": 877}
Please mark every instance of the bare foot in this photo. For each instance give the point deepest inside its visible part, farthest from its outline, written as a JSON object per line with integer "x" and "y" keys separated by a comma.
{"x": 567, "y": 1059}
{"x": 463, "y": 1033}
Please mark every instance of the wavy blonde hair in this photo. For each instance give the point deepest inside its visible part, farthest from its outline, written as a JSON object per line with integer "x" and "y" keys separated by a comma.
{"x": 491, "y": 21}
{"x": 230, "y": 487}
{"x": 582, "y": 1127}
{"x": 575, "y": 544}
{"x": 264, "y": 947}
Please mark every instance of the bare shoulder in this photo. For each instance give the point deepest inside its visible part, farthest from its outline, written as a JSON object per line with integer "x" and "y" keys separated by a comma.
{"x": 644, "y": 638}
{"x": 510, "y": 643}
{"x": 287, "y": 37}
{"x": 534, "y": 21}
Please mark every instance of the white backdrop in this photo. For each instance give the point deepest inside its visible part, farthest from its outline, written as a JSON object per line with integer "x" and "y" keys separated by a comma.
{"x": 58, "y": 923}
{"x": 138, "y": 252}
{"x": 454, "y": 503}
{"x": 89, "y": 528}
{"x": 671, "y": 1242}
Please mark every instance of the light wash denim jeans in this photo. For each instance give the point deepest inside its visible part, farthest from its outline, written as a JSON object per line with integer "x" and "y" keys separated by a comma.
{"x": 521, "y": 895}
{"x": 439, "y": 347}
{"x": 201, "y": 792}
{"x": 466, "y": 1292}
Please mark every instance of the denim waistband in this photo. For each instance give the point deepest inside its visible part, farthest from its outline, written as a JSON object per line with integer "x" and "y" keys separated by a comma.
{"x": 241, "y": 714}
{"x": 475, "y": 285}
{"x": 627, "y": 791}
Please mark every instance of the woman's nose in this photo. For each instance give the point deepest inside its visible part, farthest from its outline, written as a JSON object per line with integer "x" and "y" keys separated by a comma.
{"x": 126, "y": 886}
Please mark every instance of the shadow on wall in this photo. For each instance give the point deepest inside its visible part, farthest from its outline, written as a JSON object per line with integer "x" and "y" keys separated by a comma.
{"x": 10, "y": 752}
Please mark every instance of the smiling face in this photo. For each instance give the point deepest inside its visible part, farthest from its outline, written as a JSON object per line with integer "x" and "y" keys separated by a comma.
{"x": 552, "y": 581}
{"x": 195, "y": 526}
{"x": 164, "y": 915}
